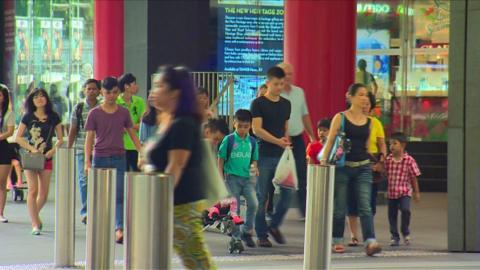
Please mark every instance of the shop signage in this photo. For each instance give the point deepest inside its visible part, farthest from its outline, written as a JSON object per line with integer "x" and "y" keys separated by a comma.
{"x": 381, "y": 9}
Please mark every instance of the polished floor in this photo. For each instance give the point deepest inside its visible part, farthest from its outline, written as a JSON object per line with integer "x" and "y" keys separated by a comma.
{"x": 20, "y": 250}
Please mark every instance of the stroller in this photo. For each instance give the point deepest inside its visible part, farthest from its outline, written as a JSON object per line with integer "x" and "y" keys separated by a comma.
{"x": 222, "y": 217}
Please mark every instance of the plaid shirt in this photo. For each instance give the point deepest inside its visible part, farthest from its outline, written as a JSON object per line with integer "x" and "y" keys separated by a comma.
{"x": 400, "y": 174}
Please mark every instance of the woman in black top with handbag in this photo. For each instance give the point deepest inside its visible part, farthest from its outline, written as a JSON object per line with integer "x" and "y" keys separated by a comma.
{"x": 41, "y": 123}
{"x": 7, "y": 125}
{"x": 176, "y": 150}
{"x": 356, "y": 170}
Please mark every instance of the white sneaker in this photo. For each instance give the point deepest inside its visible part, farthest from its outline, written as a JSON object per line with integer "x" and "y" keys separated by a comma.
{"x": 3, "y": 219}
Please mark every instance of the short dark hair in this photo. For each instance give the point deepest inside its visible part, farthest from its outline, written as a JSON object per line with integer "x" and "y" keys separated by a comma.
{"x": 202, "y": 91}
{"x": 109, "y": 83}
{"x": 126, "y": 78}
{"x": 217, "y": 124}
{"x": 399, "y": 136}
{"x": 275, "y": 72}
{"x": 243, "y": 115}
{"x": 89, "y": 81}
{"x": 353, "y": 88}
{"x": 325, "y": 123}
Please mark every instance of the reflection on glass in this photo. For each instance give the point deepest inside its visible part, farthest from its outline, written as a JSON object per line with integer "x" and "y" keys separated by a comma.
{"x": 54, "y": 50}
{"x": 412, "y": 88}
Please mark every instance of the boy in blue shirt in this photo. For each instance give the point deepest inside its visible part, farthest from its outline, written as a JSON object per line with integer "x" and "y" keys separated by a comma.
{"x": 237, "y": 161}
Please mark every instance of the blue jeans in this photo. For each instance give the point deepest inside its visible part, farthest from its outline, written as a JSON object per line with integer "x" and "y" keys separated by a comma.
{"x": 402, "y": 204}
{"x": 82, "y": 183}
{"x": 240, "y": 186}
{"x": 352, "y": 201}
{"x": 116, "y": 162}
{"x": 360, "y": 181}
{"x": 267, "y": 166}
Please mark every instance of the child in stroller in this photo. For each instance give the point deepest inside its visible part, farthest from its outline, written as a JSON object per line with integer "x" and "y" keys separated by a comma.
{"x": 222, "y": 217}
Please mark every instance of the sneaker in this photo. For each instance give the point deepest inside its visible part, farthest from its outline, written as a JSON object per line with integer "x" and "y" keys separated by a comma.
{"x": 3, "y": 219}
{"x": 247, "y": 239}
{"x": 406, "y": 240}
{"x": 264, "y": 243}
{"x": 84, "y": 220}
{"x": 372, "y": 249}
{"x": 395, "y": 242}
{"x": 35, "y": 231}
{"x": 235, "y": 245}
{"x": 277, "y": 235}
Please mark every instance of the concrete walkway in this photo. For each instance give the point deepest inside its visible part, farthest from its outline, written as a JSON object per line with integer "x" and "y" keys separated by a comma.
{"x": 20, "y": 250}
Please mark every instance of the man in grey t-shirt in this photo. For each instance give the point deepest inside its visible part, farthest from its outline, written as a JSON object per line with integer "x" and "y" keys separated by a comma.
{"x": 299, "y": 122}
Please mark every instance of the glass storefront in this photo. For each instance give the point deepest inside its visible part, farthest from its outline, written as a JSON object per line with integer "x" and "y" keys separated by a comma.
{"x": 53, "y": 50}
{"x": 405, "y": 44}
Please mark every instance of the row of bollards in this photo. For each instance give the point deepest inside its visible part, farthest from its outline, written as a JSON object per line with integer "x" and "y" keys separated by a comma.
{"x": 148, "y": 217}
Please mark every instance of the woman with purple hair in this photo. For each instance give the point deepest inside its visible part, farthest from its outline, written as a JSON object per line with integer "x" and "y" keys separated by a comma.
{"x": 176, "y": 150}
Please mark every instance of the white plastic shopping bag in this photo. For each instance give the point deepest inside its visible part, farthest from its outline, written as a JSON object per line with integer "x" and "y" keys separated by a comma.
{"x": 286, "y": 172}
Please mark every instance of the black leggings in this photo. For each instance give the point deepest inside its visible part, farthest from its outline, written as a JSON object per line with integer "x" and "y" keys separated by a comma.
{"x": 132, "y": 160}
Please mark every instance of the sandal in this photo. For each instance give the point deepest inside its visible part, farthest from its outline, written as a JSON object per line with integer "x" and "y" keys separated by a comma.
{"x": 353, "y": 242}
{"x": 338, "y": 248}
{"x": 372, "y": 249}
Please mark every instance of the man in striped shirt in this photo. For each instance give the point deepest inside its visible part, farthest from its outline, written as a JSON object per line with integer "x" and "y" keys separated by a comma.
{"x": 402, "y": 172}
{"x": 91, "y": 90}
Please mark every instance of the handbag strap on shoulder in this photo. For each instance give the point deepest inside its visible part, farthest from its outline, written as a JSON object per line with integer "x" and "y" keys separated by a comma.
{"x": 342, "y": 125}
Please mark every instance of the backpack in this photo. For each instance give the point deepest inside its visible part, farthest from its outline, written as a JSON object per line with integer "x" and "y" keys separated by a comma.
{"x": 78, "y": 114}
{"x": 230, "y": 142}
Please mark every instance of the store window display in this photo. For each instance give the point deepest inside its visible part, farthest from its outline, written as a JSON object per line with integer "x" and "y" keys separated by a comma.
{"x": 54, "y": 49}
{"x": 412, "y": 77}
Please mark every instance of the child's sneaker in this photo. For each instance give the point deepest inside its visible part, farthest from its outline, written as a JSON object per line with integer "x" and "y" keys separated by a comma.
{"x": 235, "y": 245}
{"x": 406, "y": 240}
{"x": 394, "y": 242}
{"x": 247, "y": 238}
{"x": 3, "y": 219}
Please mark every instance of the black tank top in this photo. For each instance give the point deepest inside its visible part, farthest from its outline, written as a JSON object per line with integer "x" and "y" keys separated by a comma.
{"x": 358, "y": 136}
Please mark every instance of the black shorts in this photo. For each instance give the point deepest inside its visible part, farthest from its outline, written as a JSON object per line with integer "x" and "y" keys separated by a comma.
{"x": 7, "y": 153}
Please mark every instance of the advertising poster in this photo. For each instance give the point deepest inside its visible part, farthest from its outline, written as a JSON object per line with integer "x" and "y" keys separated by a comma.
{"x": 77, "y": 40}
{"x": 46, "y": 39}
{"x": 250, "y": 40}
{"x": 57, "y": 41}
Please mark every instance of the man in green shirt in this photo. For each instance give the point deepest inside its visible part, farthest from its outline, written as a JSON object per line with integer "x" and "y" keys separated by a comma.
{"x": 237, "y": 160}
{"x": 136, "y": 106}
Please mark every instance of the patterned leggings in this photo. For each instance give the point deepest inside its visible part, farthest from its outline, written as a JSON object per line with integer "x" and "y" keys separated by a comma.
{"x": 189, "y": 242}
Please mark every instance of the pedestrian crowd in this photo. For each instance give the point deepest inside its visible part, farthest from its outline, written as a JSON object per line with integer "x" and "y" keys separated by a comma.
{"x": 112, "y": 127}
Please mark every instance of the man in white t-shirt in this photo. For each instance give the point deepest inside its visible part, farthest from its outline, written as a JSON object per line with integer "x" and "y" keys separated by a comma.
{"x": 299, "y": 122}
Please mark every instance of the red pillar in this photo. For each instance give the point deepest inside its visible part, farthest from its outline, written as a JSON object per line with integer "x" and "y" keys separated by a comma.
{"x": 320, "y": 40}
{"x": 108, "y": 38}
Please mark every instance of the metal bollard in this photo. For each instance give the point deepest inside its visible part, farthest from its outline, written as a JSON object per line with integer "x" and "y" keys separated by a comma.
{"x": 149, "y": 221}
{"x": 318, "y": 225}
{"x": 64, "y": 207}
{"x": 100, "y": 252}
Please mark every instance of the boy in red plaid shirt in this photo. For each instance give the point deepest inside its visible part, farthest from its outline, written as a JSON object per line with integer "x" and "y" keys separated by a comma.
{"x": 402, "y": 172}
